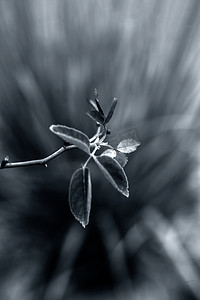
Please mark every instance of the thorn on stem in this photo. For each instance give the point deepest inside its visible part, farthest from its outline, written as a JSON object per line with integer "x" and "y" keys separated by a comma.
{"x": 4, "y": 162}
{"x": 45, "y": 165}
{"x": 108, "y": 131}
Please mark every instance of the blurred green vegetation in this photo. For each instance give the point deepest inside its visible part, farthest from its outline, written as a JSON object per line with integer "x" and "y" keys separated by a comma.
{"x": 53, "y": 53}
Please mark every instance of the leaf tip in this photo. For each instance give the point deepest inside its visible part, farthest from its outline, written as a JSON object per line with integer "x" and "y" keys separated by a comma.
{"x": 111, "y": 110}
{"x": 127, "y": 194}
{"x": 51, "y": 127}
{"x": 84, "y": 224}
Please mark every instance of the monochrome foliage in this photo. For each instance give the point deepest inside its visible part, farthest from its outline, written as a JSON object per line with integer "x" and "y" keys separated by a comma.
{"x": 80, "y": 195}
{"x": 111, "y": 161}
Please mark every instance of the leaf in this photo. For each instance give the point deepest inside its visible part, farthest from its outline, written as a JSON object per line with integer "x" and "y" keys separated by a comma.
{"x": 128, "y": 146}
{"x": 93, "y": 104}
{"x": 80, "y": 195}
{"x": 121, "y": 158}
{"x": 111, "y": 111}
{"x": 109, "y": 152}
{"x": 99, "y": 106}
{"x": 97, "y": 101}
{"x": 72, "y": 136}
{"x": 116, "y": 137}
{"x": 96, "y": 115}
{"x": 113, "y": 172}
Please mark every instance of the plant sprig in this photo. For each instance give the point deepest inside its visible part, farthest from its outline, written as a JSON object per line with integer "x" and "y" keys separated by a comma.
{"x": 111, "y": 161}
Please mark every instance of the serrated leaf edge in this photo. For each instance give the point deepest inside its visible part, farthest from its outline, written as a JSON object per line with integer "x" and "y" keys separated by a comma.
{"x": 78, "y": 131}
{"x": 90, "y": 184}
{"x": 127, "y": 152}
{"x": 126, "y": 194}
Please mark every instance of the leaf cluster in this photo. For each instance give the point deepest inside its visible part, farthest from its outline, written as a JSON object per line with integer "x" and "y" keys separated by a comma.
{"x": 111, "y": 161}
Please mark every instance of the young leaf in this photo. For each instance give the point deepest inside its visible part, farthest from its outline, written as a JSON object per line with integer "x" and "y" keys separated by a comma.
{"x": 96, "y": 115}
{"x": 111, "y": 110}
{"x": 80, "y": 195}
{"x": 99, "y": 107}
{"x": 128, "y": 146}
{"x": 72, "y": 136}
{"x": 113, "y": 172}
{"x": 129, "y": 133}
{"x": 109, "y": 152}
{"x": 121, "y": 158}
{"x": 93, "y": 104}
{"x": 97, "y": 102}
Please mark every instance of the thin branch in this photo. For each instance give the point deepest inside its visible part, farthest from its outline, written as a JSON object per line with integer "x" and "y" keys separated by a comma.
{"x": 42, "y": 161}
{"x": 5, "y": 164}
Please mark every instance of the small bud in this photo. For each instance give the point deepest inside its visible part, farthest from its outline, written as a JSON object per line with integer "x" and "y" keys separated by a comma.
{"x": 96, "y": 93}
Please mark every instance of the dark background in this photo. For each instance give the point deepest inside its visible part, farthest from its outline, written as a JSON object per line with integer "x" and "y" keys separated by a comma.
{"x": 53, "y": 53}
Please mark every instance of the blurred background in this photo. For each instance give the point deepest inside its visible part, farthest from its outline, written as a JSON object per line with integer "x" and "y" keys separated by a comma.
{"x": 53, "y": 53}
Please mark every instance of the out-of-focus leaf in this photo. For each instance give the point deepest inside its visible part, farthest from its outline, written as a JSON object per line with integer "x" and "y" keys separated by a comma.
{"x": 121, "y": 158}
{"x": 116, "y": 137}
{"x": 72, "y": 136}
{"x": 96, "y": 115}
{"x": 96, "y": 93}
{"x": 128, "y": 146}
{"x": 113, "y": 172}
{"x": 111, "y": 110}
{"x": 109, "y": 152}
{"x": 80, "y": 195}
